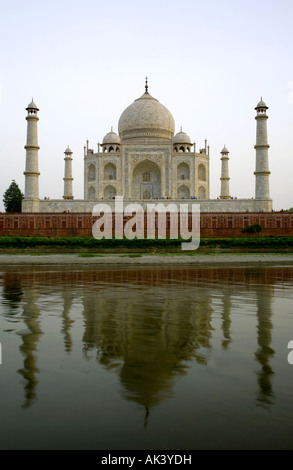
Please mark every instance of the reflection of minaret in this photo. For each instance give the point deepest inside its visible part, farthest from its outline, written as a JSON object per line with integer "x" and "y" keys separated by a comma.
{"x": 12, "y": 291}
{"x": 226, "y": 319}
{"x": 200, "y": 321}
{"x": 146, "y": 418}
{"x": 30, "y": 339}
{"x": 264, "y": 339}
{"x": 67, "y": 323}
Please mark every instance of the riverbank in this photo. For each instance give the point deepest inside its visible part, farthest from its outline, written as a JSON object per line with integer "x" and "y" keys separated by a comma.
{"x": 91, "y": 259}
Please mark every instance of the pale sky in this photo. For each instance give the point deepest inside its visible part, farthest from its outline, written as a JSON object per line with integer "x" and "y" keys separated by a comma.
{"x": 209, "y": 62}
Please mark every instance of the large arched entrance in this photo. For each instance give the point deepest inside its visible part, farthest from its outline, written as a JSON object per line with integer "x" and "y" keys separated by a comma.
{"x": 146, "y": 181}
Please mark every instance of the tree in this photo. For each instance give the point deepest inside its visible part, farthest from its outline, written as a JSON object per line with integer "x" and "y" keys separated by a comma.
{"x": 252, "y": 229}
{"x": 12, "y": 198}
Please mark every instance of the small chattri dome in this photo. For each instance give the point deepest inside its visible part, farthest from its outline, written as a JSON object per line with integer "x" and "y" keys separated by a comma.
{"x": 68, "y": 150}
{"x": 111, "y": 138}
{"x": 225, "y": 150}
{"x": 181, "y": 138}
{"x": 261, "y": 104}
{"x": 32, "y": 105}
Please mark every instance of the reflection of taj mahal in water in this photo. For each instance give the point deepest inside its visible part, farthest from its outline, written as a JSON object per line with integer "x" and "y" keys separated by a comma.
{"x": 146, "y": 160}
{"x": 147, "y": 349}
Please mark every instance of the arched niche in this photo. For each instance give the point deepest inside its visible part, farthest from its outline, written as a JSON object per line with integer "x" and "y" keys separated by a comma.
{"x": 183, "y": 171}
{"x": 202, "y": 194}
{"x": 110, "y": 172}
{"x": 91, "y": 172}
{"x": 183, "y": 192}
{"x": 202, "y": 173}
{"x": 91, "y": 193}
{"x": 110, "y": 192}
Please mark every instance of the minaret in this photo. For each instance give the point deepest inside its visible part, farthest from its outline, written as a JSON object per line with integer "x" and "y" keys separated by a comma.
{"x": 225, "y": 190}
{"x": 68, "y": 175}
{"x": 262, "y": 173}
{"x": 31, "y": 202}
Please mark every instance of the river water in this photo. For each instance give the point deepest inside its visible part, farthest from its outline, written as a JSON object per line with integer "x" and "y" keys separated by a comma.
{"x": 146, "y": 358}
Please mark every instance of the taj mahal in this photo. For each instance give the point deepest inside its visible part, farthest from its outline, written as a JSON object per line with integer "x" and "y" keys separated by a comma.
{"x": 147, "y": 161}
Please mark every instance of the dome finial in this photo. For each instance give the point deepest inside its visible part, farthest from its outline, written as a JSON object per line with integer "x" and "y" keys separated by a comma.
{"x": 146, "y": 84}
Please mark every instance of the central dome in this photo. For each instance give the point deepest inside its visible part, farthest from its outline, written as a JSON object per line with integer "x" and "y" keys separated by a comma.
{"x": 146, "y": 118}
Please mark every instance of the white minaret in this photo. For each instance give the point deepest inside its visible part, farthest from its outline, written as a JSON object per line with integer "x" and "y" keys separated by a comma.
{"x": 68, "y": 193}
{"x": 31, "y": 202}
{"x": 225, "y": 179}
{"x": 262, "y": 173}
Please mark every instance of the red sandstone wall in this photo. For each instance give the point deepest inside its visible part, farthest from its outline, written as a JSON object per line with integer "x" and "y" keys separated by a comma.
{"x": 212, "y": 224}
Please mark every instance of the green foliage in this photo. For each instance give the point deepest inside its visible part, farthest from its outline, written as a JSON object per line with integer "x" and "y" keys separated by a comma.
{"x": 83, "y": 242}
{"x": 267, "y": 243}
{"x": 291, "y": 209}
{"x": 92, "y": 243}
{"x": 252, "y": 229}
{"x": 12, "y": 198}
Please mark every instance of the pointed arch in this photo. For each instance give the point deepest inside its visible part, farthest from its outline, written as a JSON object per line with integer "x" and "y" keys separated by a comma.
{"x": 183, "y": 171}
{"x": 91, "y": 172}
{"x": 110, "y": 192}
{"x": 202, "y": 172}
{"x": 91, "y": 193}
{"x": 202, "y": 194}
{"x": 183, "y": 192}
{"x": 110, "y": 172}
{"x": 146, "y": 180}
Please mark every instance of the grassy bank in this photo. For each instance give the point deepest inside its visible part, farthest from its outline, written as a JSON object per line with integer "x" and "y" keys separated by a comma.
{"x": 254, "y": 243}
